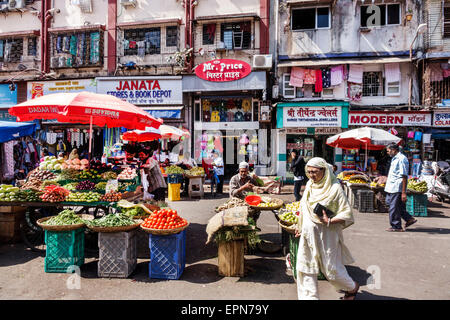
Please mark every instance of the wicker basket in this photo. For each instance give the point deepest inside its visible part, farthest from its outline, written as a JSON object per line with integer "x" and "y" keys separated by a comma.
{"x": 116, "y": 229}
{"x": 409, "y": 191}
{"x": 359, "y": 186}
{"x": 165, "y": 232}
{"x": 63, "y": 228}
{"x": 279, "y": 202}
{"x": 289, "y": 229}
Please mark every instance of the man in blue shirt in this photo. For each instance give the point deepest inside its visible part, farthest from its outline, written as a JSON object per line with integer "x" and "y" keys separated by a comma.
{"x": 395, "y": 188}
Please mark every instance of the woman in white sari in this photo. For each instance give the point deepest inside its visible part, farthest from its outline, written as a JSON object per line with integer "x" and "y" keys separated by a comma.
{"x": 321, "y": 246}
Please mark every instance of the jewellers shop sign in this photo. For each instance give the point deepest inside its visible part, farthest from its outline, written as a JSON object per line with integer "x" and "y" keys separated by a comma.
{"x": 312, "y": 117}
{"x": 389, "y": 118}
{"x": 143, "y": 90}
{"x": 221, "y": 70}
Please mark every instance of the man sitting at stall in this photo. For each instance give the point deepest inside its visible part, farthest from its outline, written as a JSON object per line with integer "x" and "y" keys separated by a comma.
{"x": 242, "y": 183}
{"x": 156, "y": 183}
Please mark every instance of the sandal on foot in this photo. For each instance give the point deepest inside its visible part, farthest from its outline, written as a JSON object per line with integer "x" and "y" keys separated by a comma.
{"x": 410, "y": 222}
{"x": 395, "y": 230}
{"x": 351, "y": 295}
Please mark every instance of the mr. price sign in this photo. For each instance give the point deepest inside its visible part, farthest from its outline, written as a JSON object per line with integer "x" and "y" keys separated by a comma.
{"x": 221, "y": 70}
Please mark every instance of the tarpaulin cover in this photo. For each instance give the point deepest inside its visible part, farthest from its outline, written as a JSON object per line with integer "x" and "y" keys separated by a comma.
{"x": 13, "y": 130}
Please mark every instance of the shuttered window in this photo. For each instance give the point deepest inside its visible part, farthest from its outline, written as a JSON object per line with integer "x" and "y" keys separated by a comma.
{"x": 447, "y": 20}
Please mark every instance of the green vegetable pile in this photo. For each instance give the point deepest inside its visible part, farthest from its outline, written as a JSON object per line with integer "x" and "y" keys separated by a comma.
{"x": 174, "y": 170}
{"x": 29, "y": 196}
{"x": 64, "y": 218}
{"x": 134, "y": 212}
{"x": 418, "y": 186}
{"x": 71, "y": 186}
{"x": 84, "y": 197}
{"x": 109, "y": 175}
{"x": 69, "y": 174}
{"x": 112, "y": 220}
{"x": 101, "y": 186}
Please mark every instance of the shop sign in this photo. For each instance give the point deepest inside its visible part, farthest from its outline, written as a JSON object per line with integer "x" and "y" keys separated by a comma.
{"x": 5, "y": 116}
{"x": 389, "y": 119}
{"x": 315, "y": 131}
{"x": 312, "y": 117}
{"x": 221, "y": 70}
{"x": 300, "y": 146}
{"x": 8, "y": 98}
{"x": 441, "y": 119}
{"x": 37, "y": 89}
{"x": 143, "y": 91}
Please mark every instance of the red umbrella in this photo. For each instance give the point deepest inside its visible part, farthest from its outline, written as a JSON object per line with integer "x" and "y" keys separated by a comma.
{"x": 142, "y": 135}
{"x": 85, "y": 107}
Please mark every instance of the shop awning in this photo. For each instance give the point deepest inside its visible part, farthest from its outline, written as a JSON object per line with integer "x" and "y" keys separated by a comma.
{"x": 254, "y": 81}
{"x": 439, "y": 133}
{"x": 165, "y": 112}
{"x": 330, "y": 62}
{"x": 13, "y": 130}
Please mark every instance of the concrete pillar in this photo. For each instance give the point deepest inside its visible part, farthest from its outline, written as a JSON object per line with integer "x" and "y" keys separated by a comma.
{"x": 281, "y": 152}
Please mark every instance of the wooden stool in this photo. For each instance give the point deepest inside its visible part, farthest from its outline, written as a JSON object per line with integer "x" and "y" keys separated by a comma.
{"x": 196, "y": 183}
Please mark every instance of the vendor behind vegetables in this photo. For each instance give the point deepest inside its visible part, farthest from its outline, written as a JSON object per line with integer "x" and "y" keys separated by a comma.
{"x": 242, "y": 183}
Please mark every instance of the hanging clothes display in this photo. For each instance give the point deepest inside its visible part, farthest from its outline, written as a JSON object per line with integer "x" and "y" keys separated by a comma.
{"x": 318, "y": 85}
{"x": 66, "y": 43}
{"x": 8, "y": 160}
{"x": 80, "y": 49}
{"x": 309, "y": 76}
{"x": 297, "y": 75}
{"x": 326, "y": 77}
{"x": 73, "y": 45}
{"x": 1, "y": 48}
{"x": 141, "y": 48}
{"x": 356, "y": 73}
{"x": 337, "y": 75}
{"x": 59, "y": 43}
{"x": 392, "y": 72}
{"x": 354, "y": 91}
{"x": 7, "y": 52}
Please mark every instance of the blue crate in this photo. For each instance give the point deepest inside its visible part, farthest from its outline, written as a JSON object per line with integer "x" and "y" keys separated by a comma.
{"x": 174, "y": 178}
{"x": 167, "y": 256}
{"x": 64, "y": 249}
{"x": 416, "y": 205}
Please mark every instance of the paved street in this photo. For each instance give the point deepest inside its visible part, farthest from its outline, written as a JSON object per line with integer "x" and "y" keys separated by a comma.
{"x": 411, "y": 265}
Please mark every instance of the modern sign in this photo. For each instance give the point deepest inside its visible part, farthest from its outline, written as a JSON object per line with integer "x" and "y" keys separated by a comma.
{"x": 143, "y": 90}
{"x": 37, "y": 89}
{"x": 441, "y": 119}
{"x": 221, "y": 70}
{"x": 389, "y": 119}
{"x": 312, "y": 117}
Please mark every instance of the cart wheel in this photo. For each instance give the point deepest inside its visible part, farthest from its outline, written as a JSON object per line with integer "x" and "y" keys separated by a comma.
{"x": 33, "y": 235}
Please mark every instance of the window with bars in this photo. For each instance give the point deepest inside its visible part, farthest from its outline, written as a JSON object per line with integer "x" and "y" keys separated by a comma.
{"x": 373, "y": 84}
{"x": 142, "y": 41}
{"x": 380, "y": 15}
{"x": 76, "y": 49}
{"x": 11, "y": 50}
{"x": 446, "y": 28}
{"x": 32, "y": 46}
{"x": 236, "y": 35}
{"x": 311, "y": 18}
{"x": 172, "y": 36}
{"x": 208, "y": 33}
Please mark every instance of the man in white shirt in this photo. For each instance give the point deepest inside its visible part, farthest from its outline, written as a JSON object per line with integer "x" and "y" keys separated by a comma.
{"x": 219, "y": 171}
{"x": 395, "y": 188}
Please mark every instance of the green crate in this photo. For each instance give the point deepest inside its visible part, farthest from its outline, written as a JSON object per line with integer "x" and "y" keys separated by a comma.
{"x": 293, "y": 248}
{"x": 416, "y": 205}
{"x": 65, "y": 249}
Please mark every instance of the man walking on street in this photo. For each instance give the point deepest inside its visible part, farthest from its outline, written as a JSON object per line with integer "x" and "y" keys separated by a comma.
{"x": 395, "y": 188}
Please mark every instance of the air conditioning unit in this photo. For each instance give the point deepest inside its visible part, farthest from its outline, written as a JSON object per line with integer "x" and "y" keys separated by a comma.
{"x": 262, "y": 61}
{"x": 126, "y": 3}
{"x": 16, "y": 4}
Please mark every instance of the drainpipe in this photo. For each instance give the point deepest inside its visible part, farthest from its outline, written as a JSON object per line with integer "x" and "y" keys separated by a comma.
{"x": 186, "y": 23}
{"x": 112, "y": 36}
{"x": 264, "y": 26}
{"x": 192, "y": 4}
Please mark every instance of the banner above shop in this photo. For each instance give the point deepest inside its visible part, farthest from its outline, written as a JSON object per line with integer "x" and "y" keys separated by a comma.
{"x": 37, "y": 89}
{"x": 221, "y": 70}
{"x": 387, "y": 118}
{"x": 8, "y": 98}
{"x": 441, "y": 119}
{"x": 312, "y": 117}
{"x": 143, "y": 90}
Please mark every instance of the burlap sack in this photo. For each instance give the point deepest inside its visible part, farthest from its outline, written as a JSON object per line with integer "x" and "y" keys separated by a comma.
{"x": 236, "y": 216}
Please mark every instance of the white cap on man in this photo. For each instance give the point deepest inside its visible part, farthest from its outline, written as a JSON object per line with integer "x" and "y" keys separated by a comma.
{"x": 243, "y": 165}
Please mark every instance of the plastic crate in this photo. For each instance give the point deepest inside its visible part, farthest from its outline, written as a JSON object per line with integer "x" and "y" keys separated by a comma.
{"x": 355, "y": 198}
{"x": 142, "y": 239}
{"x": 64, "y": 249}
{"x": 174, "y": 178}
{"x": 167, "y": 256}
{"x": 380, "y": 201}
{"x": 416, "y": 205}
{"x": 365, "y": 201}
{"x": 117, "y": 254}
{"x": 293, "y": 248}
